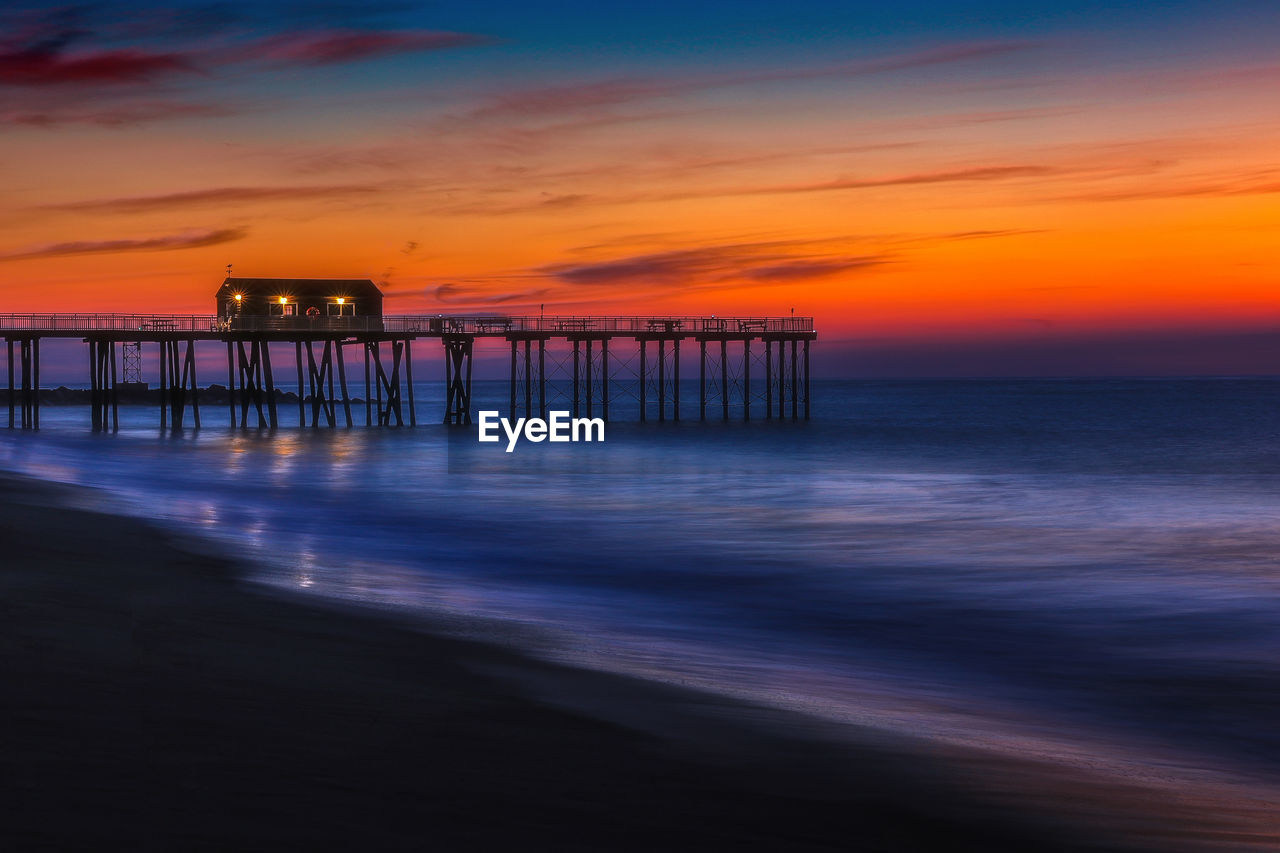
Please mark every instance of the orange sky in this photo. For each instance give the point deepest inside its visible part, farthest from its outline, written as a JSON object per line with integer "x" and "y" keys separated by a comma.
{"x": 935, "y": 185}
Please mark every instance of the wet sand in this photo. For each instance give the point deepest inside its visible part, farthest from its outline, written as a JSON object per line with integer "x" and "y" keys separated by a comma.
{"x": 154, "y": 700}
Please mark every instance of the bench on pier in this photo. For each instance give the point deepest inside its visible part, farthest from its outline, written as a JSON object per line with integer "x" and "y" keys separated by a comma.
{"x": 753, "y": 325}
{"x": 665, "y": 325}
{"x": 713, "y": 325}
{"x": 573, "y": 324}
{"x": 158, "y": 326}
{"x": 493, "y": 324}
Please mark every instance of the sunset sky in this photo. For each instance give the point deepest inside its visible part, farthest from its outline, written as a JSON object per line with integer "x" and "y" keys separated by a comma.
{"x": 971, "y": 188}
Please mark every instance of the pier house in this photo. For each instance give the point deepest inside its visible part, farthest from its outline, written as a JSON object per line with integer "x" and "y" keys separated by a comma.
{"x": 301, "y": 299}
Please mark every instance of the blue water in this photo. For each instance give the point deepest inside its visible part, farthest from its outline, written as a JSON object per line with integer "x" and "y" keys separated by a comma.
{"x": 1085, "y": 571}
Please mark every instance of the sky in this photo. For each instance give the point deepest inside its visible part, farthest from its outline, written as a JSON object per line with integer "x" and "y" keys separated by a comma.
{"x": 987, "y": 188}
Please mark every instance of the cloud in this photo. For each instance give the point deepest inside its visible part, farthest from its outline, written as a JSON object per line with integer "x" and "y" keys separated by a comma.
{"x": 571, "y": 98}
{"x": 979, "y": 173}
{"x": 975, "y": 174}
{"x": 123, "y": 115}
{"x": 1187, "y": 190}
{"x": 458, "y": 294}
{"x": 47, "y": 62}
{"x": 210, "y": 197}
{"x": 808, "y": 269}
{"x": 762, "y": 263}
{"x": 79, "y": 46}
{"x": 606, "y": 93}
{"x": 333, "y": 47}
{"x": 186, "y": 240}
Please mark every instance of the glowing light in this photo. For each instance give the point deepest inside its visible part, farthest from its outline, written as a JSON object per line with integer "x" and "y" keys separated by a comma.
{"x": 284, "y": 300}
{"x": 342, "y": 300}
{"x": 239, "y": 297}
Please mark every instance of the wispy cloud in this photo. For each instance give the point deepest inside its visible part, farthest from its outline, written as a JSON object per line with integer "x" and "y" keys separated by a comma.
{"x": 607, "y": 93}
{"x": 341, "y": 46}
{"x": 1265, "y": 183}
{"x": 121, "y": 115}
{"x": 211, "y": 197}
{"x": 185, "y": 240}
{"x": 48, "y": 63}
{"x": 763, "y": 263}
{"x": 88, "y": 65}
{"x": 461, "y": 294}
{"x": 967, "y": 175}
{"x": 975, "y": 174}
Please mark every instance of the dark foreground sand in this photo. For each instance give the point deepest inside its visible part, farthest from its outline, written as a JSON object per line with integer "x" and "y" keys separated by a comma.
{"x": 152, "y": 701}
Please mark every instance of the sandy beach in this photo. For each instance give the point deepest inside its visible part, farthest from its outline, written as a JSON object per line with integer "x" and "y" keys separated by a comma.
{"x": 155, "y": 700}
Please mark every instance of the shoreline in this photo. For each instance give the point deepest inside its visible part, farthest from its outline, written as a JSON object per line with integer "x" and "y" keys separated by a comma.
{"x": 156, "y": 695}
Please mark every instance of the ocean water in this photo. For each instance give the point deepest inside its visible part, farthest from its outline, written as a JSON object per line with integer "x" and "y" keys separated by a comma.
{"x": 1084, "y": 571}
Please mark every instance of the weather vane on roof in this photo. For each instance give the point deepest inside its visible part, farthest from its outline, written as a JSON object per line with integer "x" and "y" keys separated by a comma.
{"x": 228, "y": 270}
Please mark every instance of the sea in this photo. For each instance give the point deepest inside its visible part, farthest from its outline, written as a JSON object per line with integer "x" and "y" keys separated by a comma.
{"x": 1080, "y": 571}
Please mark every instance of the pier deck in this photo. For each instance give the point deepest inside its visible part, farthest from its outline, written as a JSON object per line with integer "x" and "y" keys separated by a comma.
{"x": 599, "y": 355}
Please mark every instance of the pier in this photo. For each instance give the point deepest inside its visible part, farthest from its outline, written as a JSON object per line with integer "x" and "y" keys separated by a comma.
{"x": 597, "y": 366}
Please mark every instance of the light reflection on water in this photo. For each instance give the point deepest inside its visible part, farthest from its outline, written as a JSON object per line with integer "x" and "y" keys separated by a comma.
{"x": 1084, "y": 570}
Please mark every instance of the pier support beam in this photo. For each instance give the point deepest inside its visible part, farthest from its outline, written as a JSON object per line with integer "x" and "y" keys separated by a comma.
{"x": 457, "y": 373}
{"x": 542, "y": 377}
{"x": 768, "y": 379}
{"x": 271, "y": 384}
{"x": 368, "y": 386}
{"x": 408, "y": 379}
{"x": 104, "y": 399}
{"x": 806, "y": 379}
{"x": 780, "y": 376}
{"x": 662, "y": 379}
{"x": 526, "y": 371}
{"x": 177, "y": 381}
{"x": 604, "y": 378}
{"x": 9, "y": 342}
{"x": 702, "y": 380}
{"x": 794, "y": 385}
{"x": 675, "y": 379}
{"x": 590, "y": 374}
{"x": 724, "y": 378}
{"x": 644, "y": 359}
{"x": 302, "y": 391}
{"x": 721, "y": 377}
{"x": 342, "y": 382}
{"x": 231, "y": 381}
{"x": 388, "y": 395}
{"x": 577, "y": 377}
{"x": 255, "y": 383}
{"x": 320, "y": 380}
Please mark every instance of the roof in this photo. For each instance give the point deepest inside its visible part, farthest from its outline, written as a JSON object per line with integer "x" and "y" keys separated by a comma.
{"x": 349, "y": 286}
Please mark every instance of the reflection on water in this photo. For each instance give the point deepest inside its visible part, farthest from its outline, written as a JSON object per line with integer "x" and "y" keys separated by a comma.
{"x": 1082, "y": 570}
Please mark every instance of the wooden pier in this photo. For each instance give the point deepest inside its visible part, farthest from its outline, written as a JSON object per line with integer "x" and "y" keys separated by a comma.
{"x": 758, "y": 366}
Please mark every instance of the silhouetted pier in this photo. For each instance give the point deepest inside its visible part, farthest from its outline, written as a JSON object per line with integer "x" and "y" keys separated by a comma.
{"x": 759, "y": 366}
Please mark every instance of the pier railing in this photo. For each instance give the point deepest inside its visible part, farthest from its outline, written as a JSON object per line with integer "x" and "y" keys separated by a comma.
{"x": 108, "y": 322}
{"x": 439, "y": 324}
